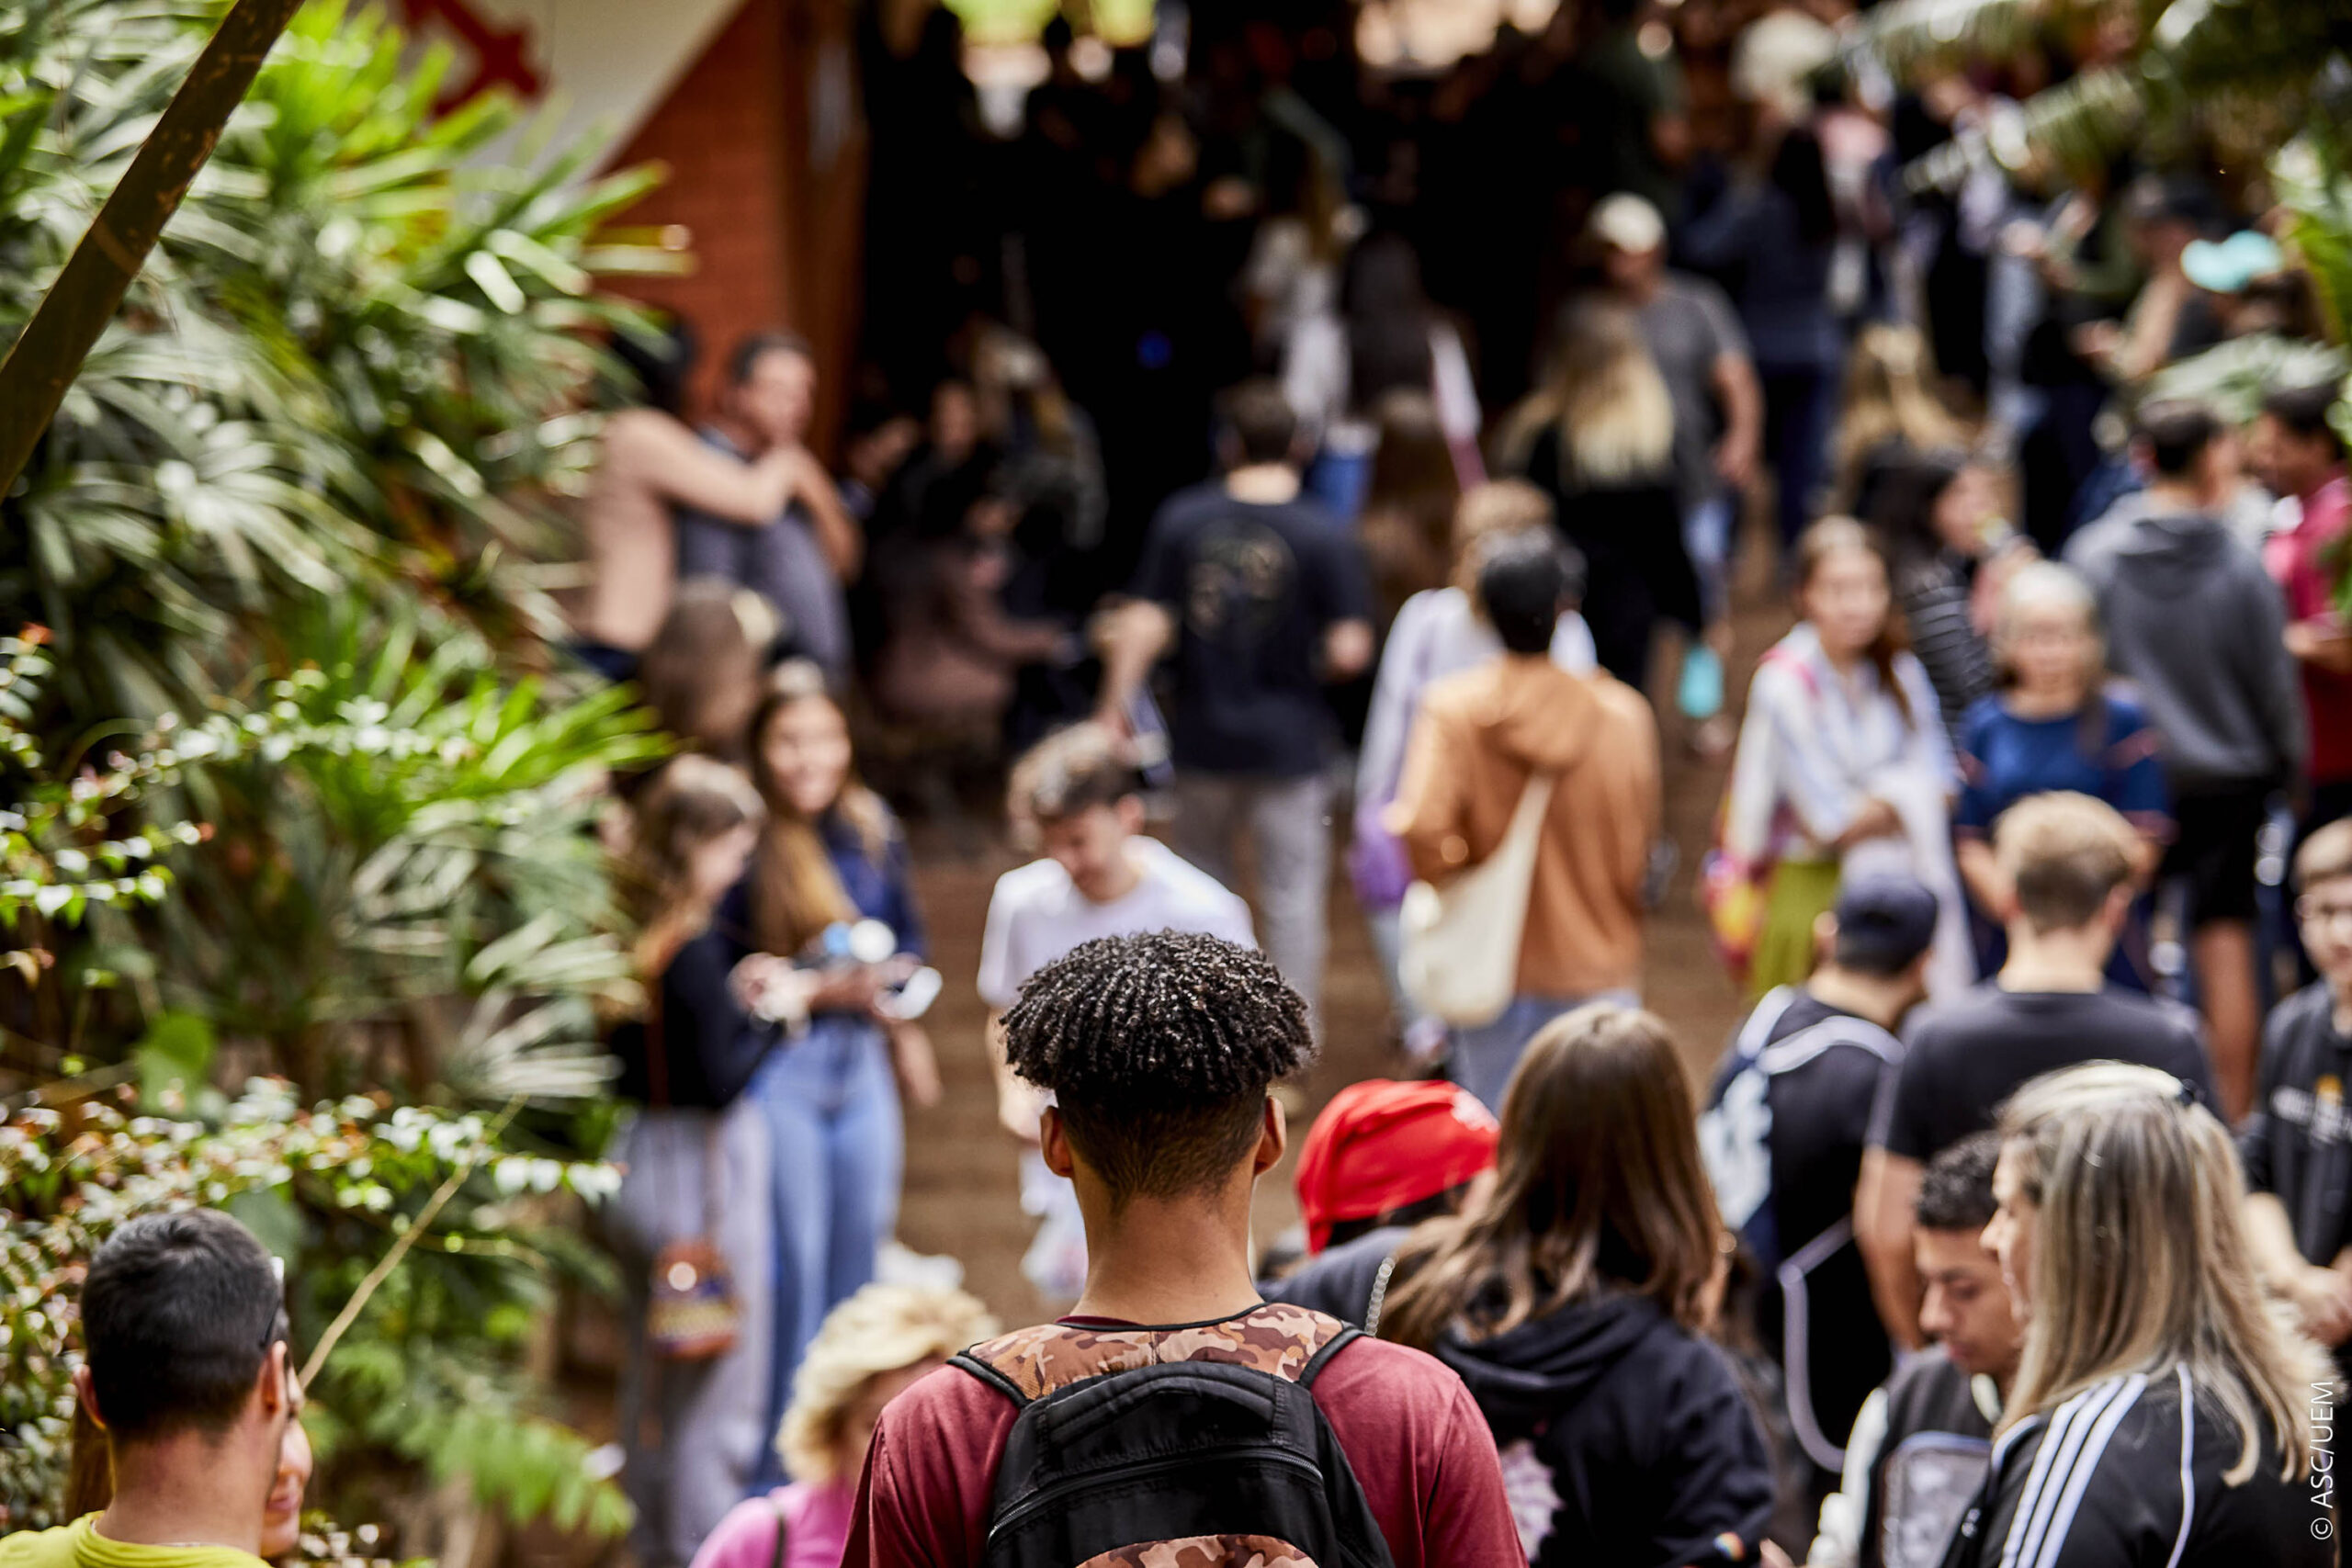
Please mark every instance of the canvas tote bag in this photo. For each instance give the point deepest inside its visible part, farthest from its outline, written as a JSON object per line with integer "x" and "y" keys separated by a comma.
{"x": 1459, "y": 949}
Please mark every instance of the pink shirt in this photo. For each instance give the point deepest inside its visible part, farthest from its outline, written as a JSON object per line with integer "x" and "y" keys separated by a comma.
{"x": 2305, "y": 564}
{"x": 817, "y": 1523}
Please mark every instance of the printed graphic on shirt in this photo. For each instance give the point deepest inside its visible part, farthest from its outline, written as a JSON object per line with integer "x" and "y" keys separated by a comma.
{"x": 1930, "y": 1481}
{"x": 1736, "y": 1142}
{"x": 1240, "y": 582}
{"x": 2318, "y": 1109}
{"x": 1277, "y": 1337}
{"x": 1535, "y": 1500}
{"x": 1205, "y": 1551}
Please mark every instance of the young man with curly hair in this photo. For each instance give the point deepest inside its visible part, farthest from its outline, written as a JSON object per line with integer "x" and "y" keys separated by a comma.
{"x": 1159, "y": 1050}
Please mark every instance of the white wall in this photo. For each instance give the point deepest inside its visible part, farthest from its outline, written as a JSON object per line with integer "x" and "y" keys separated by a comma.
{"x": 607, "y": 63}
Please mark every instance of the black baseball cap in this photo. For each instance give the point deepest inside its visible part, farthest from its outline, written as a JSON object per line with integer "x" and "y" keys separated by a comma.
{"x": 1885, "y": 922}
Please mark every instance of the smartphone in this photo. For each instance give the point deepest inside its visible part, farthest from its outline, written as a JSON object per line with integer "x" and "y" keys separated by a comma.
{"x": 911, "y": 1000}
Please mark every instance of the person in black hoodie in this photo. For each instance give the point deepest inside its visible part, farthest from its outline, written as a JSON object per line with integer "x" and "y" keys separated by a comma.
{"x": 1572, "y": 1295}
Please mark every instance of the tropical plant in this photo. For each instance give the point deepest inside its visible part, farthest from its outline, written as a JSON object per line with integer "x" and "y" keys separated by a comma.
{"x": 430, "y": 1378}
{"x": 310, "y": 477}
{"x": 286, "y": 784}
{"x": 353, "y": 365}
{"x": 424, "y": 899}
{"x": 2169, "y": 77}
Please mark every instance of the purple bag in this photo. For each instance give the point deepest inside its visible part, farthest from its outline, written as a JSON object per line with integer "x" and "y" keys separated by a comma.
{"x": 1377, "y": 863}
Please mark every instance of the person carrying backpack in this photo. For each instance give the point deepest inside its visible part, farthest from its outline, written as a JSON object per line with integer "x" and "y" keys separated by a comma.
{"x": 1173, "y": 1415}
{"x": 1783, "y": 1134}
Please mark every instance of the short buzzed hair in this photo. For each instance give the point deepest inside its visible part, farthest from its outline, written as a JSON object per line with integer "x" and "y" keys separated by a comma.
{"x": 2324, "y": 856}
{"x": 2066, "y": 854}
{"x": 753, "y": 348}
{"x": 1524, "y": 581}
{"x": 1158, "y": 1050}
{"x": 1260, "y": 419}
{"x": 179, "y": 1313}
{"x": 2176, "y": 432}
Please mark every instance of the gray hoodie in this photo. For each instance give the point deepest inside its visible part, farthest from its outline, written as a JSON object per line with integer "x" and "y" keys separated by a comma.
{"x": 2195, "y": 622}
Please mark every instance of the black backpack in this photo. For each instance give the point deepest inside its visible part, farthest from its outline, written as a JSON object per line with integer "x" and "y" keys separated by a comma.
{"x": 1198, "y": 1446}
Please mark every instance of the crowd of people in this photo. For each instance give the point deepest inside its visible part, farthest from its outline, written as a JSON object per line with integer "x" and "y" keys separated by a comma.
{"x": 1352, "y": 466}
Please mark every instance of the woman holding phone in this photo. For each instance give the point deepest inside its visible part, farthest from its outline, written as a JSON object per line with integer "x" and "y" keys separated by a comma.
{"x": 831, "y": 868}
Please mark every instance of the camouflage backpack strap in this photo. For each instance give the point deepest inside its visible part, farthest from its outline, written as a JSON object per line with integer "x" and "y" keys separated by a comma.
{"x": 1289, "y": 1342}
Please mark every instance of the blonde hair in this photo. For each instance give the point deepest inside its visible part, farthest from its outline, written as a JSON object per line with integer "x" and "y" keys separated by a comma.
{"x": 2067, "y": 853}
{"x": 882, "y": 1329}
{"x": 1066, "y": 774}
{"x": 2140, "y": 1263}
{"x": 1603, "y": 393}
{"x": 2047, "y": 586}
{"x": 1497, "y": 509}
{"x": 1888, "y": 399}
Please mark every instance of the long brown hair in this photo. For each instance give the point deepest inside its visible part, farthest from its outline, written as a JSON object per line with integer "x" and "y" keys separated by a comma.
{"x": 796, "y": 893}
{"x": 691, "y": 802}
{"x": 1408, "y": 506}
{"x": 1597, "y": 1186}
{"x": 1836, "y": 536}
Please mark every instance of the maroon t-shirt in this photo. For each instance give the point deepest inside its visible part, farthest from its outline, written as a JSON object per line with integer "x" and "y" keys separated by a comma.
{"x": 1418, "y": 1445}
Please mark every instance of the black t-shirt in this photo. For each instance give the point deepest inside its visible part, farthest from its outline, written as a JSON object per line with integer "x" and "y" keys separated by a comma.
{"x": 1793, "y": 1105}
{"x": 1252, "y": 589}
{"x": 1964, "y": 1056}
{"x": 2298, "y": 1143}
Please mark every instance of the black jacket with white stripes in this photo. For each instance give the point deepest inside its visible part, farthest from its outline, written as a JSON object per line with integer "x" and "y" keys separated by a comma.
{"x": 2128, "y": 1474}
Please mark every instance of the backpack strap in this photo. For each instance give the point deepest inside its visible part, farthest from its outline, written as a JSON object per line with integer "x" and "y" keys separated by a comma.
{"x": 966, "y": 1362}
{"x": 1321, "y": 1358}
{"x": 782, "y": 1533}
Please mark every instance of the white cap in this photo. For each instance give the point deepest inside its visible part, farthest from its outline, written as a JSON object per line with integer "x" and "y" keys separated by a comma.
{"x": 1629, "y": 223}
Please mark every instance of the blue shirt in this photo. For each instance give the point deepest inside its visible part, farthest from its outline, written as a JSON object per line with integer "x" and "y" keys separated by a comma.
{"x": 782, "y": 562}
{"x": 2112, "y": 757}
{"x": 879, "y": 887}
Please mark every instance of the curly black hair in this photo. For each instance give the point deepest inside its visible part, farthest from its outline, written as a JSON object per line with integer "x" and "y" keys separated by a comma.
{"x": 1159, "y": 1049}
{"x": 1956, "y": 1192}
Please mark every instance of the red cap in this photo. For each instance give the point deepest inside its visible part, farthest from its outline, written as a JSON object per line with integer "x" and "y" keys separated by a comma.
{"x": 1381, "y": 1145}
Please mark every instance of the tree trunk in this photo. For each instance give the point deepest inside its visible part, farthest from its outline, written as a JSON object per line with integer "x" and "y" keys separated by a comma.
{"x": 78, "y": 306}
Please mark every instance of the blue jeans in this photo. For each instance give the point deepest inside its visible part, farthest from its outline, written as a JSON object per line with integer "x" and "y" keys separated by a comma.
{"x": 1800, "y": 410}
{"x": 1706, "y": 535}
{"x": 1484, "y": 1057}
{"x": 837, "y": 1147}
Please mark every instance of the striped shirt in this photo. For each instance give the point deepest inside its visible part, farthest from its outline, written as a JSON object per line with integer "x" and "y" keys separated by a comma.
{"x": 1816, "y": 745}
{"x": 2129, "y": 1474}
{"x": 1934, "y": 593}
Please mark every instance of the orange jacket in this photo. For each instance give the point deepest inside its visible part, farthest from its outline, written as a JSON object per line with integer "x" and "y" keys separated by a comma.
{"x": 1477, "y": 738}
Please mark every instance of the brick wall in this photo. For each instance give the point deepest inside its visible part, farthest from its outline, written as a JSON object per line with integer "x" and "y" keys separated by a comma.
{"x": 774, "y": 239}
{"x": 720, "y": 132}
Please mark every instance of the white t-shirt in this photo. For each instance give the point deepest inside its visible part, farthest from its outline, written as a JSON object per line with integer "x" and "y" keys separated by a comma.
{"x": 1037, "y": 914}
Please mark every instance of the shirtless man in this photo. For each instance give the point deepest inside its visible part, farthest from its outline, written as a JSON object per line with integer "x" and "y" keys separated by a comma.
{"x": 651, "y": 462}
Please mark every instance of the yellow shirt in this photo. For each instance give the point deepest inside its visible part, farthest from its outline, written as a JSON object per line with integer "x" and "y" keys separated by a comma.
{"x": 79, "y": 1545}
